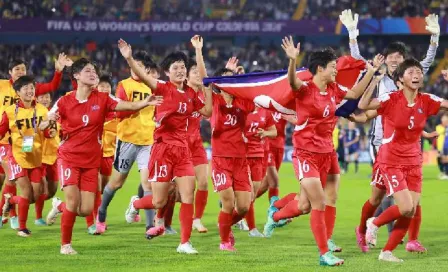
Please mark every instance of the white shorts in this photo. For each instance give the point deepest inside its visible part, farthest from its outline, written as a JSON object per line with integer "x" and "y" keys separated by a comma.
{"x": 126, "y": 154}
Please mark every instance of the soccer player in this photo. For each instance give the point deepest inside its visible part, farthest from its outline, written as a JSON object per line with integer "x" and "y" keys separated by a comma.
{"x": 399, "y": 162}
{"x": 8, "y": 96}
{"x": 314, "y": 157}
{"x": 395, "y": 53}
{"x": 135, "y": 138}
{"x": 170, "y": 157}
{"x": 442, "y": 147}
{"x": 23, "y": 121}
{"x": 351, "y": 145}
{"x": 82, "y": 116}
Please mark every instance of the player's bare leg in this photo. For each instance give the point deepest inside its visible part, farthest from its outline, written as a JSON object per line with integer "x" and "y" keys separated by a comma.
{"x": 413, "y": 244}
{"x": 331, "y": 196}
{"x": 201, "y": 172}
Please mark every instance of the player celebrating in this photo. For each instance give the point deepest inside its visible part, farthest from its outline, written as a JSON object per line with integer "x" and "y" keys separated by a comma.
{"x": 135, "y": 138}
{"x": 314, "y": 156}
{"x": 399, "y": 162}
{"x": 351, "y": 145}
{"x": 170, "y": 157}
{"x": 82, "y": 116}
{"x": 23, "y": 120}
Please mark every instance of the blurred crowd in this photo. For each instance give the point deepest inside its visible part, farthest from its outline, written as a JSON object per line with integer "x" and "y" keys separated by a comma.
{"x": 216, "y": 9}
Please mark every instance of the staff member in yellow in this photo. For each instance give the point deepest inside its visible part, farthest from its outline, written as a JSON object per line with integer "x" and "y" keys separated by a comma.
{"x": 23, "y": 121}
{"x": 135, "y": 138}
{"x": 442, "y": 158}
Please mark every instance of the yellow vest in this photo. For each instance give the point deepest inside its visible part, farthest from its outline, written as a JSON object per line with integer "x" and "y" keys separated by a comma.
{"x": 336, "y": 138}
{"x": 441, "y": 139}
{"x": 109, "y": 138}
{"x": 139, "y": 127}
{"x": 8, "y": 97}
{"x": 50, "y": 147}
{"x": 23, "y": 123}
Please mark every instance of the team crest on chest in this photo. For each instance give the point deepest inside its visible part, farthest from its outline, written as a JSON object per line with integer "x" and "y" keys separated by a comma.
{"x": 333, "y": 99}
{"x": 420, "y": 110}
{"x": 263, "y": 119}
{"x": 95, "y": 107}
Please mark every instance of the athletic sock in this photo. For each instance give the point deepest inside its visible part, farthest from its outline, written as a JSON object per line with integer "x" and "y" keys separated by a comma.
{"x": 368, "y": 210}
{"x": 317, "y": 221}
{"x": 291, "y": 210}
{"x": 108, "y": 195}
{"x": 285, "y": 200}
{"x": 330, "y": 219}
{"x": 200, "y": 201}
{"x": 186, "y": 222}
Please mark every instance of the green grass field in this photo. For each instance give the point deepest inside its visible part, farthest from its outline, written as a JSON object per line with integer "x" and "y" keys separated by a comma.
{"x": 124, "y": 248}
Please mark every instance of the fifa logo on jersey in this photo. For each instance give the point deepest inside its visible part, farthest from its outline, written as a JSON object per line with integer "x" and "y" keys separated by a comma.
{"x": 28, "y": 122}
{"x": 9, "y": 100}
{"x": 95, "y": 107}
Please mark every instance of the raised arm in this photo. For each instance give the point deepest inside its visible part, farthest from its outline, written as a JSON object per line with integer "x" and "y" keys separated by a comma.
{"x": 151, "y": 100}
{"x": 126, "y": 52}
{"x": 366, "y": 102}
{"x": 351, "y": 23}
{"x": 359, "y": 88}
{"x": 198, "y": 43}
{"x": 432, "y": 25}
{"x": 208, "y": 107}
{"x": 61, "y": 62}
{"x": 292, "y": 52}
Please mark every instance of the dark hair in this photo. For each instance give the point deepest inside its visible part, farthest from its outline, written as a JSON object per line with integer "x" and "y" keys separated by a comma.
{"x": 395, "y": 47}
{"x": 79, "y": 64}
{"x": 222, "y": 71}
{"x": 407, "y": 63}
{"x": 191, "y": 63}
{"x": 22, "y": 81}
{"x": 172, "y": 58}
{"x": 320, "y": 58}
{"x": 106, "y": 78}
{"x": 13, "y": 63}
{"x": 145, "y": 58}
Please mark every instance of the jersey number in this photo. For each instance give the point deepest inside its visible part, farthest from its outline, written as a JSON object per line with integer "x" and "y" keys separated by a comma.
{"x": 182, "y": 107}
{"x": 163, "y": 171}
{"x": 326, "y": 111}
{"x": 394, "y": 181}
{"x": 85, "y": 119}
{"x": 230, "y": 120}
{"x": 253, "y": 127}
{"x": 219, "y": 179}
{"x": 305, "y": 167}
{"x": 411, "y": 122}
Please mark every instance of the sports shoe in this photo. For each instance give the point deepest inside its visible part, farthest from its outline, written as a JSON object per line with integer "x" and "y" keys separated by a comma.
{"x": 361, "y": 241}
{"x": 255, "y": 233}
{"x": 40, "y": 222}
{"x": 154, "y": 232}
{"x": 100, "y": 226}
{"x": 332, "y": 246}
{"x": 91, "y": 230}
{"x": 7, "y": 206}
{"x": 170, "y": 231}
{"x": 131, "y": 212}
{"x": 1, "y": 221}
{"x": 137, "y": 218}
{"x": 273, "y": 200}
{"x": 388, "y": 257}
{"x": 242, "y": 225}
{"x": 227, "y": 247}
{"x": 14, "y": 222}
{"x": 68, "y": 250}
{"x": 197, "y": 225}
{"x": 232, "y": 238}
{"x": 371, "y": 233}
{"x": 328, "y": 259}
{"x": 186, "y": 248}
{"x": 271, "y": 224}
{"x": 24, "y": 233}
{"x": 415, "y": 246}
{"x": 53, "y": 214}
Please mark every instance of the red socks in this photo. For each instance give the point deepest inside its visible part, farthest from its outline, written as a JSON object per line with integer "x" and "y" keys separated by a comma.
{"x": 273, "y": 192}
{"x": 24, "y": 205}
{"x": 285, "y": 200}
{"x": 389, "y": 215}
{"x": 186, "y": 221}
{"x": 368, "y": 210}
{"x": 200, "y": 203}
{"x": 97, "y": 204}
{"x": 398, "y": 233}
{"x": 330, "y": 219}
{"x": 291, "y": 210}
{"x": 414, "y": 227}
{"x": 144, "y": 203}
{"x": 318, "y": 228}
{"x": 90, "y": 219}
{"x": 39, "y": 205}
{"x": 67, "y": 223}
{"x": 236, "y": 217}
{"x": 250, "y": 217}
{"x": 225, "y": 224}
{"x": 61, "y": 207}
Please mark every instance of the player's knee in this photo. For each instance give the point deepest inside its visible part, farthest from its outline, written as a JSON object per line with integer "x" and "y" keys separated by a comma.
{"x": 85, "y": 211}
{"x": 242, "y": 210}
{"x": 203, "y": 184}
{"x": 407, "y": 210}
{"x": 305, "y": 208}
{"x": 159, "y": 203}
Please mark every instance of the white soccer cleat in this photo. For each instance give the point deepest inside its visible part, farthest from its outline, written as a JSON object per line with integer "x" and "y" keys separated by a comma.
{"x": 371, "y": 233}
{"x": 255, "y": 233}
{"x": 197, "y": 225}
{"x": 53, "y": 214}
{"x": 242, "y": 225}
{"x": 131, "y": 212}
{"x": 68, "y": 250}
{"x": 186, "y": 248}
{"x": 387, "y": 256}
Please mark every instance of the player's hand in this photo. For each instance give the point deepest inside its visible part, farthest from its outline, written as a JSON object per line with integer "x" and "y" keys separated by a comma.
{"x": 357, "y": 118}
{"x": 288, "y": 46}
{"x": 350, "y": 22}
{"x": 290, "y": 118}
{"x": 60, "y": 62}
{"x": 445, "y": 74}
{"x": 154, "y": 100}
{"x": 432, "y": 24}
{"x": 53, "y": 132}
{"x": 261, "y": 133}
{"x": 67, "y": 61}
{"x": 431, "y": 135}
{"x": 53, "y": 116}
{"x": 378, "y": 60}
{"x": 232, "y": 64}
{"x": 125, "y": 49}
{"x": 197, "y": 42}
{"x": 240, "y": 70}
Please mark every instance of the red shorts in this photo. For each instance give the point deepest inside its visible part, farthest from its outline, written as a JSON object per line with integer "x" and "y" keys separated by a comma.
{"x": 197, "y": 150}
{"x": 230, "y": 173}
{"x": 50, "y": 172}
{"x": 275, "y": 157}
{"x": 5, "y": 150}
{"x": 395, "y": 178}
{"x": 315, "y": 165}
{"x": 15, "y": 171}
{"x": 85, "y": 178}
{"x": 257, "y": 167}
{"x": 168, "y": 162}
{"x": 106, "y": 166}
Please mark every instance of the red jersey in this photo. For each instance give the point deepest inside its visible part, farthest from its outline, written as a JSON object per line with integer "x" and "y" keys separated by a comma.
{"x": 280, "y": 125}
{"x": 260, "y": 118}
{"x": 403, "y": 125}
{"x": 227, "y": 124}
{"x": 194, "y": 120}
{"x": 172, "y": 116}
{"x": 316, "y": 116}
{"x": 82, "y": 127}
